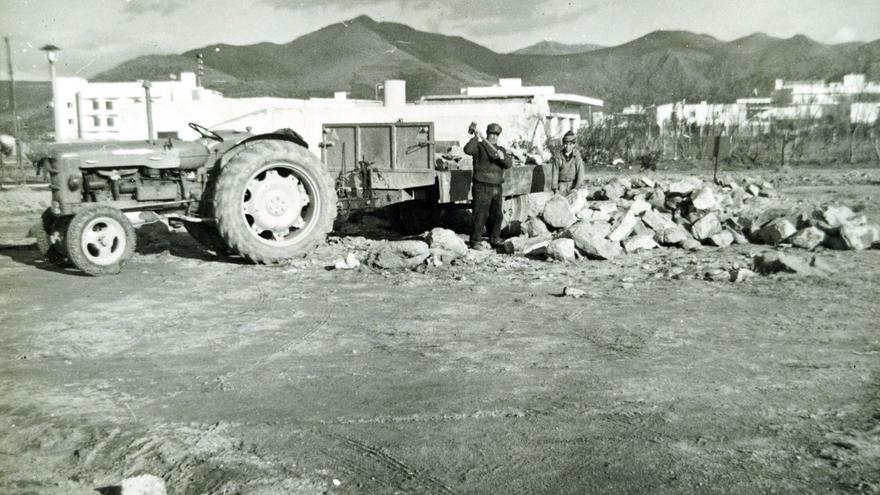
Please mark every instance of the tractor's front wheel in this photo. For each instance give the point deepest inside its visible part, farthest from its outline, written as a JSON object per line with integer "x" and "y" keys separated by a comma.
{"x": 274, "y": 201}
{"x": 100, "y": 239}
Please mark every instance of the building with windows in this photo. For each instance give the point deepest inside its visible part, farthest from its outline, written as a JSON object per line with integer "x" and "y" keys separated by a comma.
{"x": 117, "y": 110}
{"x": 852, "y": 88}
{"x": 530, "y": 113}
{"x": 792, "y": 101}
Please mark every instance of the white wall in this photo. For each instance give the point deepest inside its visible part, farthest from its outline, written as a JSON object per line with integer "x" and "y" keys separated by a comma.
{"x": 117, "y": 110}
{"x": 518, "y": 118}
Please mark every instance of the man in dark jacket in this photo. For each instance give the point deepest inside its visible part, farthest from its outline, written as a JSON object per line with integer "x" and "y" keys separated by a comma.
{"x": 490, "y": 160}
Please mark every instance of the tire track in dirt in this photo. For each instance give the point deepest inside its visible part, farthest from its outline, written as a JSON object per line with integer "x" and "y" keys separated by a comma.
{"x": 223, "y": 380}
{"x": 399, "y": 475}
{"x": 432, "y": 418}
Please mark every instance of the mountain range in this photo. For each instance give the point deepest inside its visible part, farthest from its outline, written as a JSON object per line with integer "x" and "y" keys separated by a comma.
{"x": 662, "y": 66}
{"x": 555, "y": 48}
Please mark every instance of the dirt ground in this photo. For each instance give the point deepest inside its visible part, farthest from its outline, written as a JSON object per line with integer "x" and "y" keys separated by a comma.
{"x": 477, "y": 377}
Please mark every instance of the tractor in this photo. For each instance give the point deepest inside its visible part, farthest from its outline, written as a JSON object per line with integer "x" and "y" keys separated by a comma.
{"x": 266, "y": 197}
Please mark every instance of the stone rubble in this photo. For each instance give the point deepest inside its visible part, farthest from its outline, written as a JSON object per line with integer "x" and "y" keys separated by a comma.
{"x": 630, "y": 216}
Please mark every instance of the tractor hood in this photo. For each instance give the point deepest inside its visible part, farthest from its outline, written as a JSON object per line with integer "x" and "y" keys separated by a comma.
{"x": 101, "y": 154}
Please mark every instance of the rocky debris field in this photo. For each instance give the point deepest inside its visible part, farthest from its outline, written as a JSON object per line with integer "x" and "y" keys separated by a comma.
{"x": 654, "y": 362}
{"x": 625, "y": 215}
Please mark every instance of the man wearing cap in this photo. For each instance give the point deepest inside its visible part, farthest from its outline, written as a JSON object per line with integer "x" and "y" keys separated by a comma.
{"x": 490, "y": 160}
{"x": 568, "y": 167}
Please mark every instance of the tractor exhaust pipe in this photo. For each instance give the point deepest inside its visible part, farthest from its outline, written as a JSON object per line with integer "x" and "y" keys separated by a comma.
{"x": 147, "y": 85}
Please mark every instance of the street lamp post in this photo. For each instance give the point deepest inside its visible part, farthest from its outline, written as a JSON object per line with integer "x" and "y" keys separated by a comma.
{"x": 52, "y": 56}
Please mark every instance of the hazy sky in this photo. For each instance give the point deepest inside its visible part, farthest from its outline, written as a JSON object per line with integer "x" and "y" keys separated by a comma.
{"x": 95, "y": 35}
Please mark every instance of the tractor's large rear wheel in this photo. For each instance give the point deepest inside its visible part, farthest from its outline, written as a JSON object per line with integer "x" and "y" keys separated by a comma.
{"x": 274, "y": 201}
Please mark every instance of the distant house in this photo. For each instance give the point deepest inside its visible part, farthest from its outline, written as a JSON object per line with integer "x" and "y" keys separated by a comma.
{"x": 792, "y": 100}
{"x": 852, "y": 88}
{"x": 530, "y": 113}
{"x": 116, "y": 110}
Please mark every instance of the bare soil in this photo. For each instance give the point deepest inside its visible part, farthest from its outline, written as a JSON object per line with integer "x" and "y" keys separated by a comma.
{"x": 476, "y": 377}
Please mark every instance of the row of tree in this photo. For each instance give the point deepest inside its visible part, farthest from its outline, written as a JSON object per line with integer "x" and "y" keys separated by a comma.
{"x": 805, "y": 141}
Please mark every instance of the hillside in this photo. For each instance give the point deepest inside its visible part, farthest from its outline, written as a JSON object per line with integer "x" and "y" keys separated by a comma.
{"x": 555, "y": 48}
{"x": 32, "y": 100}
{"x": 659, "y": 67}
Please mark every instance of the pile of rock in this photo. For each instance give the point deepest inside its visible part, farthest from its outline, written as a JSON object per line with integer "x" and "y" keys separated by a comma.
{"x": 625, "y": 216}
{"x": 439, "y": 246}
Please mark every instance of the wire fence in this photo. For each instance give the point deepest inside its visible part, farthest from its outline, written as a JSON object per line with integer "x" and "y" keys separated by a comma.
{"x": 13, "y": 174}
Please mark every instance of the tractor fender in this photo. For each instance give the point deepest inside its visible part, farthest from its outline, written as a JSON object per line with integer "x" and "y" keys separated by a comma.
{"x": 285, "y": 134}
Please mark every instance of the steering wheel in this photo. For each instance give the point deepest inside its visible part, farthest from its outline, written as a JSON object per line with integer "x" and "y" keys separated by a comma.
{"x": 205, "y": 132}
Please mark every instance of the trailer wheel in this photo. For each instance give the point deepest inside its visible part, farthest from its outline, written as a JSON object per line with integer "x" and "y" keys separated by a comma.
{"x": 274, "y": 201}
{"x": 516, "y": 211}
{"x": 100, "y": 239}
{"x": 49, "y": 232}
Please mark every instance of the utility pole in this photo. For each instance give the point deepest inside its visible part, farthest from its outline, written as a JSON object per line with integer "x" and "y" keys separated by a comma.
{"x": 16, "y": 130}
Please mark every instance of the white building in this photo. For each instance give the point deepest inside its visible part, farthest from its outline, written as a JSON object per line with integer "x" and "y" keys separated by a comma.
{"x": 117, "y": 110}
{"x": 525, "y": 112}
{"x": 823, "y": 93}
{"x": 865, "y": 113}
{"x": 700, "y": 114}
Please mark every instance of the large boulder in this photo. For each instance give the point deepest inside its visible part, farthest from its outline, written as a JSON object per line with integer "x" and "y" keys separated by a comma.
{"x": 145, "y": 484}
{"x": 577, "y": 199}
{"x": 584, "y": 229}
{"x": 722, "y": 239}
{"x": 613, "y": 190}
{"x": 639, "y": 242}
{"x": 534, "y": 227}
{"x": 777, "y": 231}
{"x": 672, "y": 236}
{"x": 642, "y": 229}
{"x": 607, "y": 207}
{"x": 657, "y": 221}
{"x": 399, "y": 255}
{"x": 445, "y": 244}
{"x": 691, "y": 244}
{"x": 833, "y": 216}
{"x": 623, "y": 227}
{"x": 704, "y": 199}
{"x": 684, "y": 187}
{"x": 706, "y": 226}
{"x": 658, "y": 199}
{"x": 562, "y": 249}
{"x": 527, "y": 245}
{"x": 585, "y": 214}
{"x": 639, "y": 206}
{"x": 557, "y": 213}
{"x": 859, "y": 237}
{"x": 537, "y": 202}
{"x": 808, "y": 238}
{"x": 598, "y": 248}
{"x": 773, "y": 262}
